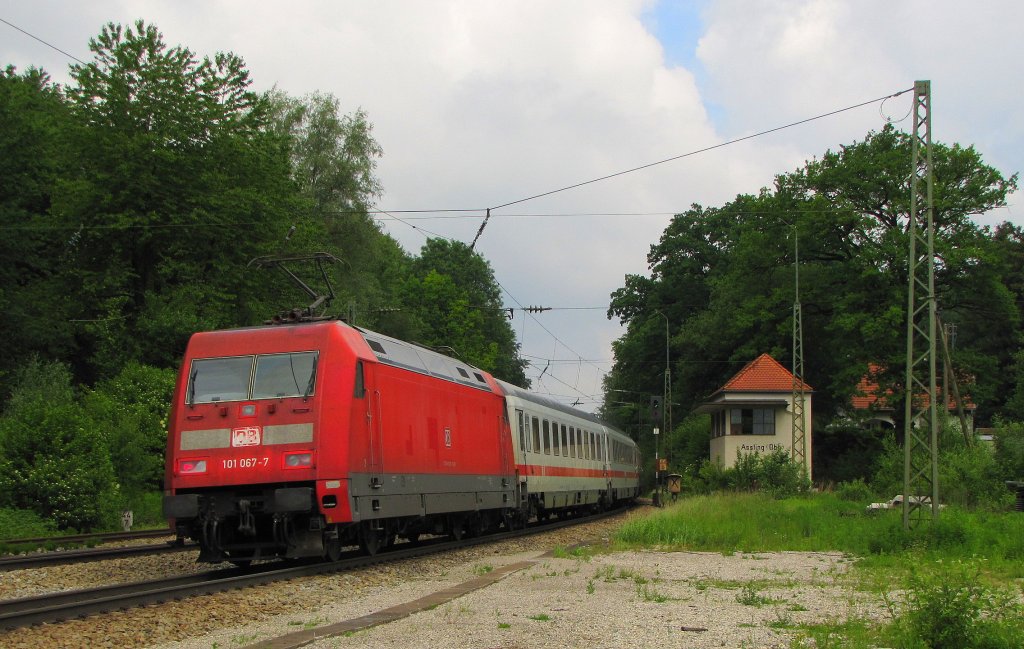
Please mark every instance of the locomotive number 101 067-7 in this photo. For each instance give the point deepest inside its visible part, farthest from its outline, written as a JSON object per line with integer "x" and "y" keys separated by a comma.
{"x": 244, "y": 462}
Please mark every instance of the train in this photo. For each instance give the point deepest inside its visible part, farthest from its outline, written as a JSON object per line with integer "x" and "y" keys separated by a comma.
{"x": 298, "y": 439}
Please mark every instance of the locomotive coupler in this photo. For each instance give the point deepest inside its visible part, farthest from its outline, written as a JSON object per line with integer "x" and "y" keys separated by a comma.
{"x": 246, "y": 519}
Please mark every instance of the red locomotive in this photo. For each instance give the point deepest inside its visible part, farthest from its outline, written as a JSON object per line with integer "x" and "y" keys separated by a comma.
{"x": 294, "y": 440}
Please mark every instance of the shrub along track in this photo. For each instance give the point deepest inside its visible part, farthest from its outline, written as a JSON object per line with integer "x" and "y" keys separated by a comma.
{"x": 80, "y": 603}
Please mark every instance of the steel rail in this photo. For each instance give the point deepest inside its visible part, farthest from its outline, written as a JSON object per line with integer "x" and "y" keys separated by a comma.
{"x": 55, "y": 607}
{"x": 42, "y": 559}
{"x": 99, "y": 537}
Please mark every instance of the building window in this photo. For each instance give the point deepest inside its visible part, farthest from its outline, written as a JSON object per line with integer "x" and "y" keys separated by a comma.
{"x": 752, "y": 421}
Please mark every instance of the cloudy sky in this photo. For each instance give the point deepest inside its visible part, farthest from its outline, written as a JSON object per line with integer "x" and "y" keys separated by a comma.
{"x": 481, "y": 103}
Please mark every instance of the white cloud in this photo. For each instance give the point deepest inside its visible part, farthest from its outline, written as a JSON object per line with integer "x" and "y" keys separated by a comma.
{"x": 477, "y": 103}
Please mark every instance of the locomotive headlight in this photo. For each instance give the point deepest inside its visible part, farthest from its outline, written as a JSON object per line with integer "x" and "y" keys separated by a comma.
{"x": 298, "y": 460}
{"x": 191, "y": 466}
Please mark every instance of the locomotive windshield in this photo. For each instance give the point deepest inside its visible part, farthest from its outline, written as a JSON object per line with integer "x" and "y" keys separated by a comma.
{"x": 241, "y": 378}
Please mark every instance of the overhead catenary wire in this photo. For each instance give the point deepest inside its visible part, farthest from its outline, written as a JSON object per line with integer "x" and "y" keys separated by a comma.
{"x": 51, "y": 46}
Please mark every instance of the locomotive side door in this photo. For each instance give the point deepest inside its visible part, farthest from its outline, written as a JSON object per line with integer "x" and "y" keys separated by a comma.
{"x": 374, "y": 424}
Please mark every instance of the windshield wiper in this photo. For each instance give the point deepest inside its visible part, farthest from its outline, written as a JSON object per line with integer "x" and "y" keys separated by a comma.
{"x": 190, "y": 397}
{"x": 312, "y": 379}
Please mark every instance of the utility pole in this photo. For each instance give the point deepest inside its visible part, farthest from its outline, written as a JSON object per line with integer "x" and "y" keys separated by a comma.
{"x": 798, "y": 446}
{"x": 920, "y": 443}
{"x": 666, "y": 404}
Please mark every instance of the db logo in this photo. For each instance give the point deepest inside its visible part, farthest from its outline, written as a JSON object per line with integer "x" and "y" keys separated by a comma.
{"x": 247, "y": 436}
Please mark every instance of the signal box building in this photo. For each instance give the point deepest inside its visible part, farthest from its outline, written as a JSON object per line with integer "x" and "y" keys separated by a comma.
{"x": 753, "y": 413}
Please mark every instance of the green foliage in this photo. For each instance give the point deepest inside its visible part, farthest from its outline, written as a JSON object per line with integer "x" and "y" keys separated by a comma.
{"x": 824, "y": 522}
{"x": 969, "y": 476}
{"x": 688, "y": 444}
{"x": 954, "y": 608}
{"x": 131, "y": 409}
{"x": 845, "y": 450}
{"x": 734, "y": 265}
{"x": 23, "y": 523}
{"x": 32, "y": 154}
{"x": 856, "y": 491}
{"x": 53, "y": 460}
{"x": 457, "y": 302}
{"x": 1009, "y": 450}
{"x": 773, "y": 473}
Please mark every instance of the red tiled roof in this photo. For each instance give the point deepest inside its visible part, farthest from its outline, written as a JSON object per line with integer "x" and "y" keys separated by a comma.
{"x": 867, "y": 394}
{"x": 763, "y": 374}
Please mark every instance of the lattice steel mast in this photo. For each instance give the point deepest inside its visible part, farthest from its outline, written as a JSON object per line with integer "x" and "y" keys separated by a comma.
{"x": 920, "y": 442}
{"x": 799, "y": 439}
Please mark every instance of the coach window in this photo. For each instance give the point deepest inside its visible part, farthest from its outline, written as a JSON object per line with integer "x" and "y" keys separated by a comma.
{"x": 536, "y": 435}
{"x": 565, "y": 441}
{"x": 522, "y": 431}
{"x": 593, "y": 445}
{"x": 547, "y": 438}
{"x": 554, "y": 438}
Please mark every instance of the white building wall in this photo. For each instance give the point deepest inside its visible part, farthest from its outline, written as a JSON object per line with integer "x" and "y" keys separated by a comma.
{"x": 724, "y": 449}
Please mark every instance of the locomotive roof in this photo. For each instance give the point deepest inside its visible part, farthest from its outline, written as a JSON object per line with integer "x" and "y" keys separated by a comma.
{"x": 423, "y": 360}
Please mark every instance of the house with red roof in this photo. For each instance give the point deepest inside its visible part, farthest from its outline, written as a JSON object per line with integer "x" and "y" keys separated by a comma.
{"x": 753, "y": 412}
{"x": 876, "y": 406}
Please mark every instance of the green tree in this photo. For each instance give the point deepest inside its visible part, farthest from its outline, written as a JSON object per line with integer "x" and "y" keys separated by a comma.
{"x": 35, "y": 117}
{"x": 724, "y": 277}
{"x": 458, "y": 303}
{"x": 54, "y": 460}
{"x": 131, "y": 411}
{"x": 178, "y": 183}
{"x": 333, "y": 158}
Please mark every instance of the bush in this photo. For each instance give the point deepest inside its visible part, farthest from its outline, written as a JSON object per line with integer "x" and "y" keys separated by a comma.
{"x": 23, "y": 523}
{"x": 969, "y": 476}
{"x": 132, "y": 409}
{"x": 953, "y": 608}
{"x": 774, "y": 473}
{"x": 1009, "y": 445}
{"x": 53, "y": 460}
{"x": 856, "y": 491}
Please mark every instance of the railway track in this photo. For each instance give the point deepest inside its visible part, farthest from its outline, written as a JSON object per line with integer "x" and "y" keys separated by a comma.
{"x": 55, "y": 607}
{"x": 98, "y": 537}
{"x": 56, "y": 558}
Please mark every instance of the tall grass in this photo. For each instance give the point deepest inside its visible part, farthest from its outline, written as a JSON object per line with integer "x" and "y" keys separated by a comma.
{"x": 824, "y": 522}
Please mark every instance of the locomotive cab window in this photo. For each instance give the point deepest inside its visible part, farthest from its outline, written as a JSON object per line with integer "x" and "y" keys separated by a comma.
{"x": 284, "y": 375}
{"x": 240, "y": 378}
{"x": 219, "y": 379}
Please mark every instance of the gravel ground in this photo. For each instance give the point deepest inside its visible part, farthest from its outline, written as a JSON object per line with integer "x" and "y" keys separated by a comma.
{"x": 643, "y": 599}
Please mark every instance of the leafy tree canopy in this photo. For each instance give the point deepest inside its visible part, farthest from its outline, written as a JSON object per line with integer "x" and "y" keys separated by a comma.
{"x": 725, "y": 278}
